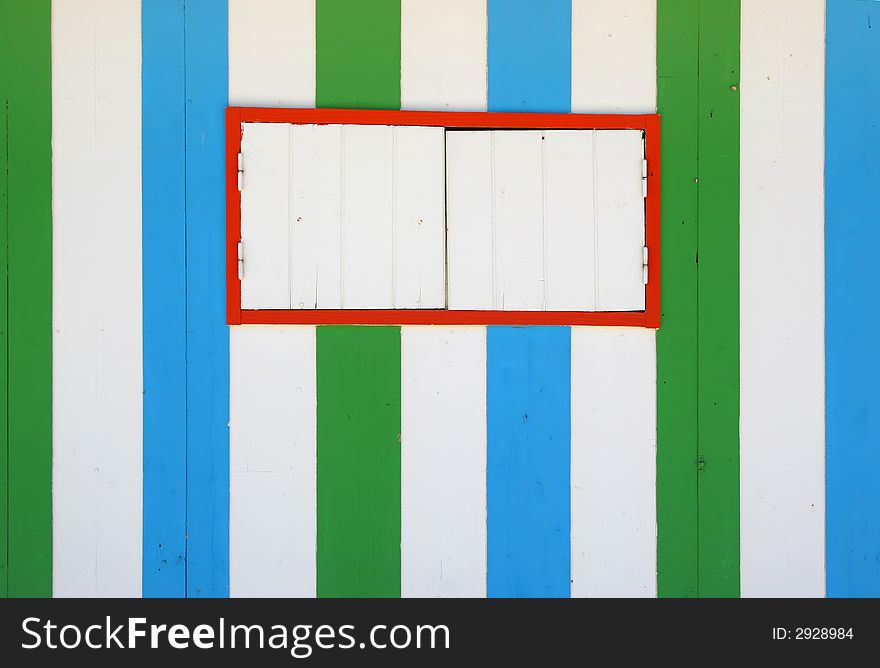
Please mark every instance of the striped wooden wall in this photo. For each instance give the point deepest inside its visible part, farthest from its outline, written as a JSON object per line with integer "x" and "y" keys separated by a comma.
{"x": 146, "y": 448}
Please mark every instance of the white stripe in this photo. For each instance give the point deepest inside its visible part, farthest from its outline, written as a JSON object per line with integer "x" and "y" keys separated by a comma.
{"x": 443, "y": 55}
{"x": 782, "y": 420}
{"x": 443, "y": 370}
{"x": 272, "y": 53}
{"x": 97, "y": 325}
{"x": 272, "y": 62}
{"x": 613, "y": 56}
{"x": 273, "y": 464}
{"x": 613, "y": 375}
{"x": 443, "y": 461}
{"x": 613, "y": 455}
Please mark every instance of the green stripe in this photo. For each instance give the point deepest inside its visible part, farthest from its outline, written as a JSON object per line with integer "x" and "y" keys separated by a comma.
{"x": 358, "y": 54}
{"x": 719, "y": 297}
{"x": 358, "y": 368}
{"x": 4, "y": 318}
{"x": 698, "y": 342}
{"x": 358, "y": 461}
{"x": 27, "y": 303}
{"x": 677, "y": 102}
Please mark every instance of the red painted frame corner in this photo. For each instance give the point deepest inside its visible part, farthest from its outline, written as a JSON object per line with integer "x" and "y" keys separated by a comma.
{"x": 649, "y": 123}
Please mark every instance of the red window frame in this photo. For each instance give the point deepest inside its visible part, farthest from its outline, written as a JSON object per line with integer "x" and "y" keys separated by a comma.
{"x": 649, "y": 123}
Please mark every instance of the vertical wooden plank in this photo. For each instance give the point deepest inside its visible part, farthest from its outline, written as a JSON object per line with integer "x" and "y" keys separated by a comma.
{"x": 529, "y": 55}
{"x": 677, "y": 451}
{"x": 613, "y": 453}
{"x": 358, "y": 369}
{"x": 782, "y": 488}
{"x": 613, "y": 56}
{"x": 358, "y": 54}
{"x": 316, "y": 183}
{"x": 443, "y": 461}
{"x": 367, "y": 216}
{"x": 443, "y": 55}
{"x": 26, "y": 94}
{"x": 620, "y": 231}
{"x": 470, "y": 220}
{"x": 266, "y": 219}
{"x": 97, "y": 453}
{"x": 518, "y": 193}
{"x": 569, "y": 221}
{"x": 5, "y": 58}
{"x": 529, "y": 369}
{"x": 851, "y": 348}
{"x": 419, "y": 218}
{"x": 207, "y": 350}
{"x": 272, "y": 425}
{"x": 718, "y": 298}
{"x": 613, "y": 463}
{"x": 164, "y": 298}
{"x": 528, "y": 409}
{"x": 272, "y": 61}
{"x": 358, "y": 390}
{"x": 272, "y": 53}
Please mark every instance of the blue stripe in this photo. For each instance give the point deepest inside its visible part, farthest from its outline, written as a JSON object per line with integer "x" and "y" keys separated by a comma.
{"x": 528, "y": 412}
{"x": 852, "y": 322}
{"x": 529, "y": 369}
{"x": 207, "y": 343}
{"x": 186, "y": 345}
{"x": 530, "y": 55}
{"x": 164, "y": 299}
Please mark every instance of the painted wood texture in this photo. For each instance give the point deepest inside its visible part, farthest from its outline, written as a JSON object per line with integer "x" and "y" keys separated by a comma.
{"x": 718, "y": 298}
{"x": 698, "y": 343}
{"x": 186, "y": 358}
{"x": 613, "y": 463}
{"x": 207, "y": 351}
{"x": 26, "y": 300}
{"x": 528, "y": 409}
{"x": 677, "y": 449}
{"x": 358, "y": 390}
{"x": 529, "y": 55}
{"x": 272, "y": 62}
{"x": 4, "y": 322}
{"x": 97, "y": 352}
{"x": 782, "y": 483}
{"x": 272, "y": 53}
{"x": 443, "y": 55}
{"x": 443, "y": 462}
{"x": 528, "y": 369}
{"x": 265, "y": 215}
{"x": 443, "y": 452}
{"x": 613, "y": 56}
{"x": 545, "y": 220}
{"x": 272, "y": 462}
{"x": 342, "y": 216}
{"x": 613, "y": 371}
{"x": 358, "y": 66}
{"x": 164, "y": 300}
{"x": 851, "y": 347}
{"x": 358, "y": 54}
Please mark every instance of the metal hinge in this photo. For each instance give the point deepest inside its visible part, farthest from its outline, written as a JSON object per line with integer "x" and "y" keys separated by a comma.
{"x": 240, "y": 172}
{"x": 240, "y": 261}
{"x": 645, "y": 265}
{"x": 644, "y": 178}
